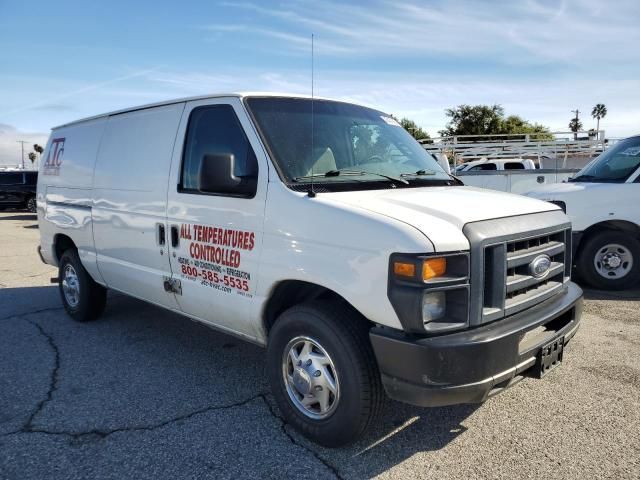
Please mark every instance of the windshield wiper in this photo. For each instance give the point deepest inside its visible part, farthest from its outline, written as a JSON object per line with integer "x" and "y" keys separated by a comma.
{"x": 584, "y": 177}
{"x": 419, "y": 173}
{"x": 335, "y": 173}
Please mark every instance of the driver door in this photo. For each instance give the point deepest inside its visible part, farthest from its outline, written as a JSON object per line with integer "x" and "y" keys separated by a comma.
{"x": 216, "y": 236}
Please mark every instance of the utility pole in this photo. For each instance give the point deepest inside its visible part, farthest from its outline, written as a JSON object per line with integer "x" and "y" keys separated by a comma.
{"x": 22, "y": 142}
{"x": 577, "y": 112}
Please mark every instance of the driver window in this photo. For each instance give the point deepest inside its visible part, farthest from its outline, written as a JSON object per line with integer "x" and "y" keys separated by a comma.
{"x": 215, "y": 129}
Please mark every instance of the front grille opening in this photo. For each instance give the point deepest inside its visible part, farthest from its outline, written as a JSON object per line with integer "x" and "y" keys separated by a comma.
{"x": 510, "y": 285}
{"x": 541, "y": 286}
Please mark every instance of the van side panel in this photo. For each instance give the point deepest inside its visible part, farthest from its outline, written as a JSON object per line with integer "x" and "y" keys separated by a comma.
{"x": 130, "y": 200}
{"x": 64, "y": 190}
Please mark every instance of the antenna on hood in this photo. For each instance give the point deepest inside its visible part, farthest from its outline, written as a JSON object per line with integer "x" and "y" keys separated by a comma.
{"x": 311, "y": 192}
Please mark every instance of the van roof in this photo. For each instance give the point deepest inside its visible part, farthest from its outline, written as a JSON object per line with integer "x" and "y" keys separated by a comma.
{"x": 188, "y": 99}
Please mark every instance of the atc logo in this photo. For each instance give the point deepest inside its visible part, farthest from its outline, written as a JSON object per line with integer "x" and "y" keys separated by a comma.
{"x": 54, "y": 157}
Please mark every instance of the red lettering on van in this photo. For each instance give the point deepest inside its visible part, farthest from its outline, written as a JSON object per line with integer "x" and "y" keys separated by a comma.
{"x": 54, "y": 157}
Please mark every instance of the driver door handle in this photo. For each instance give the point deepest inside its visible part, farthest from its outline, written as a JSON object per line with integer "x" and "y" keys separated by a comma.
{"x": 175, "y": 236}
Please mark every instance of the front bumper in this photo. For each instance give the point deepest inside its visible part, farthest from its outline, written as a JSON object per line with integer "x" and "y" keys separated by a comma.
{"x": 472, "y": 365}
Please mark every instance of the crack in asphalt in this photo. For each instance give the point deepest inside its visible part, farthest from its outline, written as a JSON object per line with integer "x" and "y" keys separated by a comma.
{"x": 28, "y": 427}
{"x": 53, "y": 378}
{"x": 291, "y": 438}
{"x": 141, "y": 428}
{"x": 16, "y": 315}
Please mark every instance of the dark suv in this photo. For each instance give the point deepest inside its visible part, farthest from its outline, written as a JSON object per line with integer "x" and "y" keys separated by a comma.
{"x": 18, "y": 190}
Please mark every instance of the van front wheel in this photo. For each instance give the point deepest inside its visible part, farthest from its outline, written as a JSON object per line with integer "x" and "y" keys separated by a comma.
{"x": 610, "y": 260}
{"x": 323, "y": 372}
{"x": 82, "y": 297}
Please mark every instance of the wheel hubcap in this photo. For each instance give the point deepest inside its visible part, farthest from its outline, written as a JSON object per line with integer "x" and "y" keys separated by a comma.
{"x": 71, "y": 286}
{"x": 310, "y": 378}
{"x": 613, "y": 261}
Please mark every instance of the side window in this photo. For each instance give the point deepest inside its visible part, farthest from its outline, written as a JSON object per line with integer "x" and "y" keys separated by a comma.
{"x": 216, "y": 130}
{"x": 513, "y": 166}
{"x": 483, "y": 166}
{"x": 11, "y": 179}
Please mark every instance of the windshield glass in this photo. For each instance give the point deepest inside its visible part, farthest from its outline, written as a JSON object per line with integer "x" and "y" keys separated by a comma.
{"x": 614, "y": 165}
{"x": 350, "y": 143}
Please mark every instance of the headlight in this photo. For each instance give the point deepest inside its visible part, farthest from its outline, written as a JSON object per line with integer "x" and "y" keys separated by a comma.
{"x": 433, "y": 306}
{"x": 430, "y": 292}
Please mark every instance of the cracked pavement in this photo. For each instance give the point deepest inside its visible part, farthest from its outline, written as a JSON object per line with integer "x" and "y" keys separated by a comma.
{"x": 144, "y": 393}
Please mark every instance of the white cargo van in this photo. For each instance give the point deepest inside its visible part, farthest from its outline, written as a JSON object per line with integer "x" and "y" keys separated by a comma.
{"x": 603, "y": 202}
{"x": 321, "y": 230}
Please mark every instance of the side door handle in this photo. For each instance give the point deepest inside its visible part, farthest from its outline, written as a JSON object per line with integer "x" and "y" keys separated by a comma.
{"x": 175, "y": 237}
{"x": 162, "y": 239}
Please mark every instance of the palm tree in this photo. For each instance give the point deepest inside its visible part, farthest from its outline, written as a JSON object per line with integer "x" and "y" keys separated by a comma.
{"x": 38, "y": 149}
{"x": 575, "y": 125}
{"x": 598, "y": 112}
{"x": 32, "y": 157}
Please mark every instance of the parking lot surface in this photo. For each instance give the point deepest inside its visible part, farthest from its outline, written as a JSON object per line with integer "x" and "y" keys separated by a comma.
{"x": 144, "y": 393}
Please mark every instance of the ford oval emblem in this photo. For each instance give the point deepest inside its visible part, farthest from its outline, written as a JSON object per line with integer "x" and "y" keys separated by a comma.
{"x": 540, "y": 266}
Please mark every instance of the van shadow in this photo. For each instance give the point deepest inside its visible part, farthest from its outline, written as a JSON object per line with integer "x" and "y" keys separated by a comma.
{"x": 18, "y": 216}
{"x": 131, "y": 345}
{"x": 631, "y": 294}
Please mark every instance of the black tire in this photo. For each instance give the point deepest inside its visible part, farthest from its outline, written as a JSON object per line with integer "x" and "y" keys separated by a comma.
{"x": 345, "y": 337}
{"x": 592, "y": 249}
{"x": 31, "y": 205}
{"x": 91, "y": 297}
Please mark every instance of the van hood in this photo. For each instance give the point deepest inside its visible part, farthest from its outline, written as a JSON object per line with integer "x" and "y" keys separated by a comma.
{"x": 440, "y": 213}
{"x": 557, "y": 190}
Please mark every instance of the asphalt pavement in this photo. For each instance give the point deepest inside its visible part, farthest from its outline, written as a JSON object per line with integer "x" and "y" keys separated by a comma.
{"x": 145, "y": 393}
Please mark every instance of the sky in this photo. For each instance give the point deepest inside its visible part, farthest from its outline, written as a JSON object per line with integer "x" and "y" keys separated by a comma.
{"x": 64, "y": 60}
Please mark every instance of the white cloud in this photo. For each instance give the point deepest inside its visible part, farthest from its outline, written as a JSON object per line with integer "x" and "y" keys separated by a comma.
{"x": 10, "y": 149}
{"x": 516, "y": 33}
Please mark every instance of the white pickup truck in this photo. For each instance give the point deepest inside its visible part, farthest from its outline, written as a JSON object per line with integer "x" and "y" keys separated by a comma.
{"x": 603, "y": 202}
{"x": 321, "y": 230}
{"x": 515, "y": 175}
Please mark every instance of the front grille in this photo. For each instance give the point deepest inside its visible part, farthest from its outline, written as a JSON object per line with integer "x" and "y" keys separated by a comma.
{"x": 522, "y": 287}
{"x": 510, "y": 285}
{"x": 502, "y": 252}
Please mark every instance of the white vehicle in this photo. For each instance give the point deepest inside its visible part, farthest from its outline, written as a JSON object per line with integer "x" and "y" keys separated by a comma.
{"x": 602, "y": 201}
{"x": 485, "y": 164}
{"x": 514, "y": 175}
{"x": 321, "y": 230}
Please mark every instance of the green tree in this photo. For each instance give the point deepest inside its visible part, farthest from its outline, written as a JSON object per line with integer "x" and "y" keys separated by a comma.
{"x": 367, "y": 143}
{"x": 598, "y": 112}
{"x": 473, "y": 120}
{"x": 489, "y": 120}
{"x": 412, "y": 127}
{"x": 38, "y": 148}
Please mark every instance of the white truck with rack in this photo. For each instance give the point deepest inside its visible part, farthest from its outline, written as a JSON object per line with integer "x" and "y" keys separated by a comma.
{"x": 321, "y": 230}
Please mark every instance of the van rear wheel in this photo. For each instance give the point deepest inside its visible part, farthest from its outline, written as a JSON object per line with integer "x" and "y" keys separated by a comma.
{"x": 323, "y": 372}
{"x": 82, "y": 297}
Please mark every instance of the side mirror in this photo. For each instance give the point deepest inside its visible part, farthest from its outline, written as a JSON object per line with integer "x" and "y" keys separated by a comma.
{"x": 216, "y": 175}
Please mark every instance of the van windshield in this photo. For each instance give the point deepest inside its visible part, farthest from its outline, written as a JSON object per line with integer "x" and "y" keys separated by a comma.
{"x": 614, "y": 165}
{"x": 350, "y": 143}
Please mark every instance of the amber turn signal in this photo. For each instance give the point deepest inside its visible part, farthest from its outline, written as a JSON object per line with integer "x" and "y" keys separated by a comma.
{"x": 404, "y": 269}
{"x": 434, "y": 267}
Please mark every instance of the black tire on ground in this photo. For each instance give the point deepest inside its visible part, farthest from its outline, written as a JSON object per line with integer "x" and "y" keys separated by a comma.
{"x": 91, "y": 297}
{"x": 593, "y": 249}
{"x": 32, "y": 205}
{"x": 345, "y": 337}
